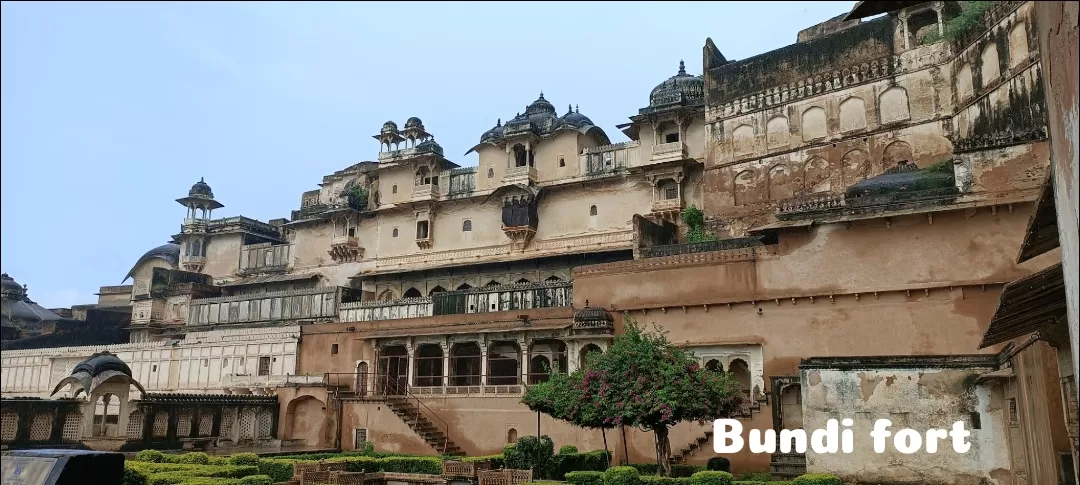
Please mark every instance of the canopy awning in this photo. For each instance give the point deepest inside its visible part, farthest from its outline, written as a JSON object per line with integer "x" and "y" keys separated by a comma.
{"x": 1027, "y": 305}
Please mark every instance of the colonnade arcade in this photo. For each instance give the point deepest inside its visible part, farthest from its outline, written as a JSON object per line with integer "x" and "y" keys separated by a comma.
{"x": 474, "y": 364}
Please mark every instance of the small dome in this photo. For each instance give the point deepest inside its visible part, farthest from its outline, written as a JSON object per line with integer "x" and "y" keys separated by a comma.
{"x": 493, "y": 134}
{"x": 590, "y": 317}
{"x": 389, "y": 127}
{"x": 429, "y": 145}
{"x": 681, "y": 88}
{"x": 10, "y": 289}
{"x": 170, "y": 253}
{"x": 101, "y": 362}
{"x": 413, "y": 122}
{"x": 540, "y": 106}
{"x": 201, "y": 189}
{"x": 574, "y": 117}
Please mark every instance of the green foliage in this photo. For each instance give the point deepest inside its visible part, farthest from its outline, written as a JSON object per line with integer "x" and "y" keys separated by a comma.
{"x": 683, "y": 470}
{"x": 959, "y": 26}
{"x": 756, "y": 477}
{"x": 244, "y": 459}
{"x": 695, "y": 220}
{"x": 585, "y": 478}
{"x": 817, "y": 479}
{"x": 658, "y": 480}
{"x": 222, "y": 460}
{"x": 622, "y": 475}
{"x": 367, "y": 447}
{"x": 256, "y": 480}
{"x": 564, "y": 449}
{"x": 565, "y": 463}
{"x": 711, "y": 478}
{"x": 497, "y": 461}
{"x": 152, "y": 456}
{"x": 195, "y": 458}
{"x": 531, "y": 453}
{"x": 133, "y": 476}
{"x": 719, "y": 464}
{"x": 278, "y": 470}
{"x": 700, "y": 235}
{"x": 646, "y": 468}
{"x": 941, "y": 166}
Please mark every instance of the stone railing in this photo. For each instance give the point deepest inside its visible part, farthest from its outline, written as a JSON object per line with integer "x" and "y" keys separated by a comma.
{"x": 240, "y": 380}
{"x": 522, "y": 296}
{"x": 699, "y": 247}
{"x": 314, "y": 303}
{"x": 666, "y": 152}
{"x": 425, "y": 191}
{"x": 659, "y": 261}
{"x": 520, "y": 174}
{"x": 264, "y": 257}
{"x": 505, "y": 477}
{"x": 612, "y": 240}
{"x": 811, "y": 203}
{"x": 606, "y": 160}
{"x": 367, "y": 311}
{"x": 665, "y": 205}
{"x": 244, "y": 223}
{"x": 464, "y": 469}
{"x": 410, "y": 152}
{"x": 191, "y": 226}
{"x": 190, "y": 259}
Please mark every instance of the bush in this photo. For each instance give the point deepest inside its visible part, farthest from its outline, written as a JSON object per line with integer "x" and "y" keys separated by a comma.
{"x": 531, "y": 453}
{"x": 151, "y": 456}
{"x": 278, "y": 470}
{"x": 256, "y": 480}
{"x": 622, "y": 475}
{"x": 562, "y": 464}
{"x": 756, "y": 477}
{"x": 718, "y": 464}
{"x": 711, "y": 478}
{"x": 221, "y": 460}
{"x": 658, "y": 480}
{"x": 817, "y": 479}
{"x": 497, "y": 461}
{"x": 646, "y": 468}
{"x": 684, "y": 471}
{"x": 244, "y": 459}
{"x": 585, "y": 478}
{"x": 567, "y": 449}
{"x": 195, "y": 458}
{"x": 133, "y": 476}
{"x": 428, "y": 465}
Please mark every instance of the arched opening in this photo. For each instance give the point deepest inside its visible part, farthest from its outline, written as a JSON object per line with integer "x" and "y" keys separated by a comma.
{"x": 413, "y": 293}
{"x": 791, "y": 406}
{"x": 265, "y": 427}
{"x": 423, "y": 177}
{"x": 183, "y": 423}
{"x": 522, "y": 281}
{"x": 41, "y": 427}
{"x": 592, "y": 210}
{"x": 135, "y": 425}
{"x": 466, "y": 226}
{"x": 428, "y": 362}
{"x": 248, "y": 423}
{"x": 206, "y": 422}
{"x": 395, "y": 233}
{"x": 305, "y": 420}
{"x": 464, "y": 286}
{"x": 436, "y": 289}
{"x": 741, "y": 372}
{"x": 106, "y": 415}
{"x": 465, "y": 364}
{"x": 553, "y": 279}
{"x": 493, "y": 283}
{"x": 161, "y": 424}
{"x": 521, "y": 155}
{"x": 586, "y": 353}
{"x": 545, "y": 356}
{"x": 362, "y": 378}
{"x": 714, "y": 365}
{"x": 386, "y": 295}
{"x": 72, "y": 431}
{"x": 393, "y": 370}
{"x": 511, "y": 436}
{"x": 504, "y": 364}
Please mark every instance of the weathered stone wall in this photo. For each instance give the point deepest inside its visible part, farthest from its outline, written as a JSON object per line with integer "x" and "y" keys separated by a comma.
{"x": 916, "y": 395}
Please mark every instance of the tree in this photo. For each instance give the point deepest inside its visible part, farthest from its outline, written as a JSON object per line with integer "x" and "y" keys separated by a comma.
{"x": 642, "y": 380}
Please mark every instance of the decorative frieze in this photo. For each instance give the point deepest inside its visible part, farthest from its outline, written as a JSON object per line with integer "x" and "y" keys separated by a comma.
{"x": 610, "y": 240}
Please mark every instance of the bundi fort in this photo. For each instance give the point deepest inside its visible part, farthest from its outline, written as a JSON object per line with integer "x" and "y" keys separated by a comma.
{"x": 862, "y": 224}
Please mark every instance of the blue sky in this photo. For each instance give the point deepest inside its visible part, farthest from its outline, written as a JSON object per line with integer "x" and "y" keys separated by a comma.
{"x": 110, "y": 111}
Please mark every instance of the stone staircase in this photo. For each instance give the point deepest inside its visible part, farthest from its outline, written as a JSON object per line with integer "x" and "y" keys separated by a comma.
{"x": 787, "y": 466}
{"x": 410, "y": 413}
{"x": 684, "y": 454}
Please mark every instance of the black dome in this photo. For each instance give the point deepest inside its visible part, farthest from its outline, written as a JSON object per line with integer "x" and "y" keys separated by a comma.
{"x": 10, "y": 289}
{"x": 592, "y": 315}
{"x": 494, "y": 133}
{"x": 389, "y": 127}
{"x": 540, "y": 106}
{"x": 101, "y": 362}
{"x": 681, "y": 88}
{"x": 414, "y": 122}
{"x": 170, "y": 253}
{"x": 201, "y": 189}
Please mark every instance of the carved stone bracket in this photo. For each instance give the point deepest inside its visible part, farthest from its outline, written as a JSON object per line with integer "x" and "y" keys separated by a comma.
{"x": 519, "y": 236}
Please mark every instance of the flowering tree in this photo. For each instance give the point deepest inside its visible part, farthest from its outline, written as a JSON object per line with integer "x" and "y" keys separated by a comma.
{"x": 642, "y": 380}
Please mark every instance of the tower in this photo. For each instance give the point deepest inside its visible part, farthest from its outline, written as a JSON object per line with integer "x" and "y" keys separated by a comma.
{"x": 200, "y": 204}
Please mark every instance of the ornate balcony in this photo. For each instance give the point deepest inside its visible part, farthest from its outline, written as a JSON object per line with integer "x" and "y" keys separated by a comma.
{"x": 193, "y": 263}
{"x": 193, "y": 226}
{"x": 425, "y": 192}
{"x": 666, "y": 208}
{"x": 668, "y": 152}
{"x": 367, "y": 311}
{"x": 520, "y": 175}
{"x": 345, "y": 249}
{"x": 700, "y": 247}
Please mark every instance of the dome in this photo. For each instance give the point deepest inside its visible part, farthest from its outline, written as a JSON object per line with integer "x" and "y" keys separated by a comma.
{"x": 10, "y": 289}
{"x": 577, "y": 119}
{"x": 540, "y": 106}
{"x": 413, "y": 122}
{"x": 169, "y": 253}
{"x": 430, "y": 145}
{"x": 390, "y": 127}
{"x": 493, "y": 134}
{"x": 201, "y": 189}
{"x": 101, "y": 362}
{"x": 96, "y": 370}
{"x": 681, "y": 88}
{"x": 593, "y": 318}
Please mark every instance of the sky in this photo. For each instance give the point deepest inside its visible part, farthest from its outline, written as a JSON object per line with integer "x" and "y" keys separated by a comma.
{"x": 111, "y": 111}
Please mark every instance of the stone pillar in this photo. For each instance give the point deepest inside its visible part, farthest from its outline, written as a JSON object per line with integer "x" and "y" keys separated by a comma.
{"x": 411, "y": 371}
{"x": 445, "y": 364}
{"x": 904, "y": 25}
{"x": 938, "y": 11}
{"x": 483, "y": 363}
{"x": 524, "y": 361}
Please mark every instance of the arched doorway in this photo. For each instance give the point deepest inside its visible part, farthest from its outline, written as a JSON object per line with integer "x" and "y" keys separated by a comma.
{"x": 393, "y": 370}
{"x": 741, "y": 373}
{"x": 465, "y": 364}
{"x": 583, "y": 357}
{"x": 714, "y": 365}
{"x": 429, "y": 366}
{"x": 546, "y": 356}
{"x": 363, "y": 377}
{"x": 504, "y": 364}
{"x": 791, "y": 407}
{"x": 305, "y": 421}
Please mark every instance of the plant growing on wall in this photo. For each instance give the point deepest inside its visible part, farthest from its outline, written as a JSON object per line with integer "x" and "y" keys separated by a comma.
{"x": 642, "y": 380}
{"x": 695, "y": 220}
{"x": 957, "y": 27}
{"x": 358, "y": 197}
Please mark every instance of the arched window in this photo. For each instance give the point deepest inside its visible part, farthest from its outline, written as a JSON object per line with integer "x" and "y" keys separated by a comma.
{"x": 553, "y": 279}
{"x": 511, "y": 436}
{"x": 393, "y": 189}
{"x": 395, "y": 232}
{"x": 491, "y": 172}
{"x": 523, "y": 281}
{"x": 466, "y": 226}
{"x": 592, "y": 210}
{"x": 714, "y": 365}
{"x": 493, "y": 283}
{"x": 436, "y": 289}
{"x": 413, "y": 293}
{"x": 464, "y": 286}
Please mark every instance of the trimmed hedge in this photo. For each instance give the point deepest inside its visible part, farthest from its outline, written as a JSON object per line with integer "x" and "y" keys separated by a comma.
{"x": 593, "y": 461}
{"x": 718, "y": 464}
{"x": 755, "y": 477}
{"x": 646, "y": 468}
{"x": 152, "y": 456}
{"x": 567, "y": 449}
{"x": 194, "y": 458}
{"x": 244, "y": 459}
{"x": 817, "y": 479}
{"x": 134, "y": 477}
{"x": 711, "y": 478}
{"x": 685, "y": 471}
{"x": 497, "y": 461}
{"x": 585, "y": 478}
{"x": 278, "y": 470}
{"x": 658, "y": 480}
{"x": 622, "y": 475}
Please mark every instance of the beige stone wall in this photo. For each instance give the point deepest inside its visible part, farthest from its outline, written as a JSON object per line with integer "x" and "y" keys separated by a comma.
{"x": 223, "y": 255}
{"x": 920, "y": 399}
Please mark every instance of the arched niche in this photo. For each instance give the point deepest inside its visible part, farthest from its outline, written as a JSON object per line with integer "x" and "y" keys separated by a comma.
{"x": 896, "y": 153}
{"x": 777, "y": 132}
{"x": 817, "y": 175}
{"x": 742, "y": 139}
{"x": 1018, "y": 45}
{"x": 782, "y": 182}
{"x": 893, "y": 105}
{"x": 305, "y": 420}
{"x": 745, "y": 190}
{"x": 852, "y": 114}
{"x": 814, "y": 124}
{"x": 428, "y": 365}
{"x": 964, "y": 87}
{"x": 990, "y": 69}
{"x": 855, "y": 167}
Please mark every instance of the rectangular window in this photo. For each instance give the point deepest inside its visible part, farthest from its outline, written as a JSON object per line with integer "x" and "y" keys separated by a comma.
{"x": 264, "y": 366}
{"x": 333, "y": 349}
{"x": 671, "y": 193}
{"x": 359, "y": 438}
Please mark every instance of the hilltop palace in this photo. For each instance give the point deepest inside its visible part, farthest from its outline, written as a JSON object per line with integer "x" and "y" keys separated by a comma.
{"x": 870, "y": 187}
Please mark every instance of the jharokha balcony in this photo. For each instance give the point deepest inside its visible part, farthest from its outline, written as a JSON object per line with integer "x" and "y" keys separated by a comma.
{"x": 502, "y": 298}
